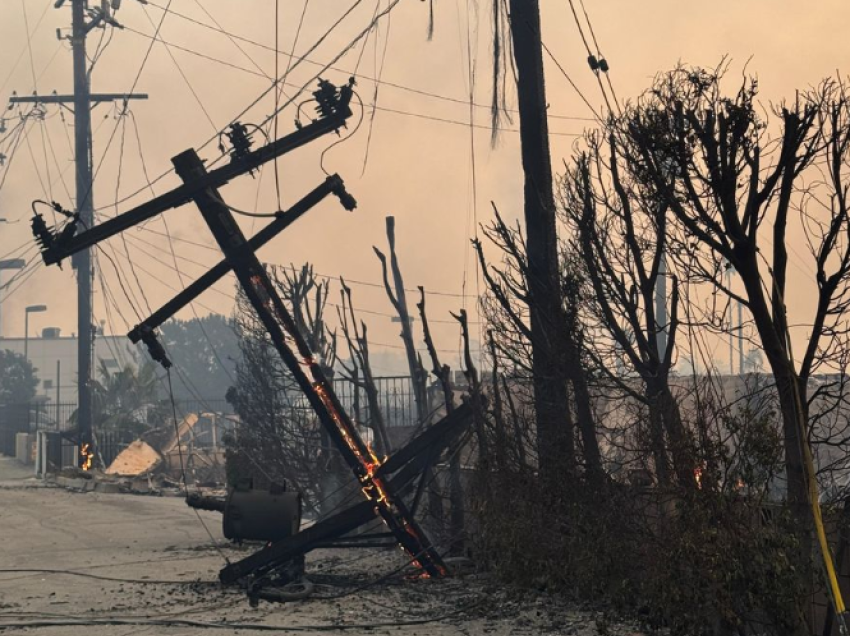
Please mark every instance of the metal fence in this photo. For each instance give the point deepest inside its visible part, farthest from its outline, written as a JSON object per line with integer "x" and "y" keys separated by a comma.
{"x": 110, "y": 443}
{"x": 395, "y": 396}
{"x": 34, "y": 417}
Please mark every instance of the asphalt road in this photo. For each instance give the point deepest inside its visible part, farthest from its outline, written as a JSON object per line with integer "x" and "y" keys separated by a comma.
{"x": 93, "y": 564}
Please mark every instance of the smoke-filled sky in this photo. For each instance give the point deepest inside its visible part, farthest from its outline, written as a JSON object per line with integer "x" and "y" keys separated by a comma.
{"x": 414, "y": 159}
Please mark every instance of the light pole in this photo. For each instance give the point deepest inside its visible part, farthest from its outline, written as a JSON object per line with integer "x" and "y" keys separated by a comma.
{"x": 11, "y": 263}
{"x": 32, "y": 309}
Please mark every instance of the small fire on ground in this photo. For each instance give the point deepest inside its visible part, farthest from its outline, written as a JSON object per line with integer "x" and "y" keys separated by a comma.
{"x": 87, "y": 457}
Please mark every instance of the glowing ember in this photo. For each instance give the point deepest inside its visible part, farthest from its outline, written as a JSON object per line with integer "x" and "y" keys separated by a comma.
{"x": 372, "y": 487}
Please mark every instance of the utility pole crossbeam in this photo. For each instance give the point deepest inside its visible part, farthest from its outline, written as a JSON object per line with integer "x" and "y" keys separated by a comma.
{"x": 58, "y": 248}
{"x": 94, "y": 98}
{"x": 144, "y": 332}
{"x": 201, "y": 187}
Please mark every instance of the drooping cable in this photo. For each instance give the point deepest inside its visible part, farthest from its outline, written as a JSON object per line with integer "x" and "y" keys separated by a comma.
{"x": 598, "y": 65}
{"x": 402, "y": 87}
{"x": 182, "y": 73}
{"x": 599, "y": 54}
{"x": 379, "y": 72}
{"x": 281, "y": 79}
{"x": 183, "y": 467}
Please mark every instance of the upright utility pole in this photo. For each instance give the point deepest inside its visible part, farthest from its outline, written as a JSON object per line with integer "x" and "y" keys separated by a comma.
{"x": 548, "y": 323}
{"x": 85, "y": 208}
{"x": 82, "y": 100}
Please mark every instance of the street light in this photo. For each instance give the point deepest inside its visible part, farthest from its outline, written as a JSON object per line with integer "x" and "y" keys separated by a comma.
{"x": 32, "y": 309}
{"x": 11, "y": 263}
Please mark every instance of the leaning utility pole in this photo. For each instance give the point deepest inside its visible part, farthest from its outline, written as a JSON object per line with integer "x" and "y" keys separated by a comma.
{"x": 82, "y": 100}
{"x": 548, "y": 322}
{"x": 202, "y": 187}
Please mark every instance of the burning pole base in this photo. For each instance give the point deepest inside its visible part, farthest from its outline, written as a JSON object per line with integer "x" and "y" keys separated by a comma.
{"x": 399, "y": 471}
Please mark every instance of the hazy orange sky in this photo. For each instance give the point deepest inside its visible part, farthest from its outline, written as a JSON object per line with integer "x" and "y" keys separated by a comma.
{"x": 419, "y": 169}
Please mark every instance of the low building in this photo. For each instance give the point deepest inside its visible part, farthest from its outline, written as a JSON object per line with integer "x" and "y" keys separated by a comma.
{"x": 55, "y": 358}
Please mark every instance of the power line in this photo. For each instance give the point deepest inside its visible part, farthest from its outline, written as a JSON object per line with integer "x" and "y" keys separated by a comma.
{"x": 119, "y": 272}
{"x": 599, "y": 53}
{"x": 571, "y": 82}
{"x": 301, "y": 89}
{"x": 30, "y": 269}
{"x": 231, "y": 297}
{"x": 372, "y": 106}
{"x": 379, "y": 72}
{"x": 183, "y": 467}
{"x": 334, "y": 277}
{"x": 35, "y": 167}
{"x": 596, "y": 63}
{"x": 8, "y": 165}
{"x": 274, "y": 85}
{"x": 424, "y": 93}
{"x": 182, "y": 74}
{"x": 59, "y": 170}
{"x": 456, "y": 122}
{"x": 329, "y": 303}
{"x": 282, "y": 81}
{"x": 123, "y": 116}
{"x": 28, "y": 45}
{"x": 232, "y": 39}
{"x": 176, "y": 268}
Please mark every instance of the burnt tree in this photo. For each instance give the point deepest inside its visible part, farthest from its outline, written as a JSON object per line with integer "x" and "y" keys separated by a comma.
{"x": 620, "y": 233}
{"x": 740, "y": 192}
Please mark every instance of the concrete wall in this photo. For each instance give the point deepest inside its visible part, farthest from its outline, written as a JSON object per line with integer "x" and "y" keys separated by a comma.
{"x": 25, "y": 448}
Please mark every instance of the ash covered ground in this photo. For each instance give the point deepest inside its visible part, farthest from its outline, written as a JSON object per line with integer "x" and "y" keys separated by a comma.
{"x": 97, "y": 564}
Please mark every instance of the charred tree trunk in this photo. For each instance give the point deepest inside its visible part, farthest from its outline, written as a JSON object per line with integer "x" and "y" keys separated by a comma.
{"x": 791, "y": 395}
{"x": 358, "y": 348}
{"x": 584, "y": 415}
{"x": 666, "y": 421}
{"x": 398, "y": 298}
{"x": 457, "y": 521}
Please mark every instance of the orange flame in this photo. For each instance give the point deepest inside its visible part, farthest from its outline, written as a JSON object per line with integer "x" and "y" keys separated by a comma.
{"x": 88, "y": 456}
